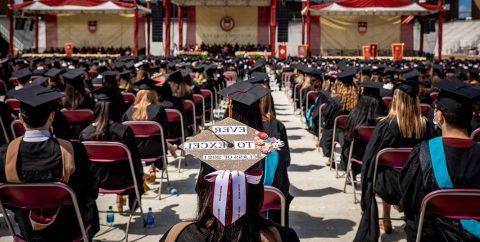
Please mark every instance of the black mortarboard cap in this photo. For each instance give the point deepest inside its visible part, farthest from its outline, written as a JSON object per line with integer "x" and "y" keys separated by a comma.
{"x": 347, "y": 75}
{"x": 245, "y": 92}
{"x": 35, "y": 99}
{"x": 73, "y": 74}
{"x": 198, "y": 68}
{"x": 22, "y": 75}
{"x": 258, "y": 77}
{"x": 175, "y": 76}
{"x": 411, "y": 75}
{"x": 371, "y": 88}
{"x": 258, "y": 66}
{"x": 125, "y": 75}
{"x": 457, "y": 95}
{"x": 410, "y": 87}
{"x": 41, "y": 80}
{"x": 53, "y": 72}
{"x": 38, "y": 72}
{"x": 145, "y": 84}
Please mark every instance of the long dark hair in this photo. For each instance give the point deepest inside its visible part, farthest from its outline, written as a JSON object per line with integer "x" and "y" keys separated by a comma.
{"x": 249, "y": 115}
{"x": 74, "y": 95}
{"x": 105, "y": 114}
{"x": 367, "y": 111}
{"x": 247, "y": 228}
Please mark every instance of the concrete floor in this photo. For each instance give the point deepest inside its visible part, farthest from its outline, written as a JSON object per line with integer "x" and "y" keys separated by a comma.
{"x": 320, "y": 210}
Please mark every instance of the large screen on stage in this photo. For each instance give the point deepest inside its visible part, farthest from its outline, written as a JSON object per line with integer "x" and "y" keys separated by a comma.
{"x": 353, "y": 32}
{"x": 219, "y": 25}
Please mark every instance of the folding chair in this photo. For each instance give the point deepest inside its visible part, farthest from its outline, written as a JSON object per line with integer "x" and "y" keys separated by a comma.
{"x": 322, "y": 107}
{"x": 475, "y": 135}
{"x": 104, "y": 152}
{"x": 147, "y": 130}
{"x": 173, "y": 116}
{"x": 189, "y": 107}
{"x": 92, "y": 74}
{"x": 37, "y": 196}
{"x": 273, "y": 199}
{"x": 13, "y": 81}
{"x": 78, "y": 119}
{"x": 450, "y": 203}
{"x": 387, "y": 101}
{"x": 14, "y": 105}
{"x": 209, "y": 96}
{"x": 17, "y": 128}
{"x": 300, "y": 101}
{"x": 339, "y": 123}
{"x": 425, "y": 108}
{"x": 128, "y": 98}
{"x": 394, "y": 158}
{"x": 295, "y": 96}
{"x": 230, "y": 77}
{"x": 363, "y": 133}
{"x": 434, "y": 96}
{"x": 199, "y": 100}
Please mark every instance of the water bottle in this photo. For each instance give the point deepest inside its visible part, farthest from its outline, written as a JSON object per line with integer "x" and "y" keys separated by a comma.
{"x": 110, "y": 216}
{"x": 150, "y": 219}
{"x": 173, "y": 191}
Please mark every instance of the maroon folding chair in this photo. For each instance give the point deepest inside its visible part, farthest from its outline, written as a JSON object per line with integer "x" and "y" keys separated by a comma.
{"x": 209, "y": 97}
{"x": 425, "y": 108}
{"x": 450, "y": 203}
{"x": 104, "y": 152}
{"x": 78, "y": 116}
{"x": 14, "y": 105}
{"x": 92, "y": 74}
{"x": 97, "y": 86}
{"x": 387, "y": 101}
{"x": 273, "y": 199}
{"x": 38, "y": 196}
{"x": 128, "y": 98}
{"x": 189, "y": 107}
{"x": 13, "y": 81}
{"x": 199, "y": 114}
{"x": 475, "y": 135}
{"x": 339, "y": 123}
{"x": 362, "y": 134}
{"x": 434, "y": 96}
{"x": 173, "y": 116}
{"x": 17, "y": 128}
{"x": 230, "y": 77}
{"x": 147, "y": 130}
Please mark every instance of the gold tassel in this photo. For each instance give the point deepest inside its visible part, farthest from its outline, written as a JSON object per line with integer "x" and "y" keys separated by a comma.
{"x": 230, "y": 108}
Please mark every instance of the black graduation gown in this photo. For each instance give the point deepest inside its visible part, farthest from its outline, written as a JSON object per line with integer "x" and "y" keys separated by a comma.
{"x": 323, "y": 97}
{"x": 151, "y": 147}
{"x": 6, "y": 118}
{"x": 194, "y": 232}
{"x": 386, "y": 135}
{"x": 42, "y": 162}
{"x": 417, "y": 180}
{"x": 275, "y": 128}
{"x": 332, "y": 111}
{"x": 118, "y": 175}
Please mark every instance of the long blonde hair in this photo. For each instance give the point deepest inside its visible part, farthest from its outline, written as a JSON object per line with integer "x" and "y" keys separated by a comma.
{"x": 406, "y": 110}
{"x": 143, "y": 99}
{"x": 348, "y": 93}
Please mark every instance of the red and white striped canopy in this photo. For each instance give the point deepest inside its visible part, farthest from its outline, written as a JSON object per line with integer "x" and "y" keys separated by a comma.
{"x": 78, "y": 6}
{"x": 372, "y": 7}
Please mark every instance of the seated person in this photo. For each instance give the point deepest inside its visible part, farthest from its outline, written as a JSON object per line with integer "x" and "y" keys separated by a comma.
{"x": 107, "y": 127}
{"x": 446, "y": 162}
{"x": 42, "y": 158}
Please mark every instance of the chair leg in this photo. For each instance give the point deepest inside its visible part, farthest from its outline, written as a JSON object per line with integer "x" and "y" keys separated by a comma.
{"x": 353, "y": 185}
{"x": 346, "y": 177}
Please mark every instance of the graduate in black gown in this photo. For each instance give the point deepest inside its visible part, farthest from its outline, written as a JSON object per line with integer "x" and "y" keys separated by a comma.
{"x": 250, "y": 226}
{"x": 275, "y": 128}
{"x": 404, "y": 126}
{"x": 446, "y": 162}
{"x": 344, "y": 99}
{"x": 107, "y": 127}
{"x": 41, "y": 159}
{"x": 323, "y": 96}
{"x": 168, "y": 101}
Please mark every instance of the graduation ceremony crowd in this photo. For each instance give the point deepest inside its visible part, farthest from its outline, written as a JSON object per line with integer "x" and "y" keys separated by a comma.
{"x": 53, "y": 107}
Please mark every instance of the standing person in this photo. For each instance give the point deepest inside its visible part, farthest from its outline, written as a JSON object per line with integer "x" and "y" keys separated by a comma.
{"x": 107, "y": 126}
{"x": 446, "y": 162}
{"x": 404, "y": 126}
{"x": 39, "y": 157}
{"x": 276, "y": 165}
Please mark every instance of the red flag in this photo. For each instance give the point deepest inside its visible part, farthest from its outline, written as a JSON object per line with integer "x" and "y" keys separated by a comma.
{"x": 282, "y": 51}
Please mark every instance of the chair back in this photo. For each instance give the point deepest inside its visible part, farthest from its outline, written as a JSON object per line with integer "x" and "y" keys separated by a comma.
{"x": 78, "y": 116}
{"x": 341, "y": 121}
{"x": 128, "y": 97}
{"x": 450, "y": 203}
{"x": 107, "y": 152}
{"x": 387, "y": 101}
{"x": 476, "y": 135}
{"x": 17, "y": 128}
{"x": 38, "y": 196}
{"x": 434, "y": 96}
{"x": 425, "y": 108}
{"x": 13, "y": 104}
{"x": 393, "y": 157}
{"x": 230, "y": 77}
{"x": 145, "y": 129}
{"x": 13, "y": 81}
{"x": 174, "y": 115}
{"x": 364, "y": 133}
{"x": 273, "y": 199}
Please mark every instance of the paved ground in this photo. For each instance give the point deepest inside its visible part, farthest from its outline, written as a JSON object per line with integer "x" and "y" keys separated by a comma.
{"x": 319, "y": 212}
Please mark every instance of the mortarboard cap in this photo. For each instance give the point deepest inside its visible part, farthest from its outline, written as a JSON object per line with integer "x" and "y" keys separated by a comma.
{"x": 125, "y": 75}
{"x": 410, "y": 87}
{"x": 145, "y": 84}
{"x": 457, "y": 96}
{"x": 244, "y": 92}
{"x": 41, "y": 80}
{"x": 371, "y": 89}
{"x": 411, "y": 75}
{"x": 22, "y": 75}
{"x": 175, "y": 76}
{"x": 347, "y": 75}
{"x": 73, "y": 74}
{"x": 54, "y": 72}
{"x": 258, "y": 77}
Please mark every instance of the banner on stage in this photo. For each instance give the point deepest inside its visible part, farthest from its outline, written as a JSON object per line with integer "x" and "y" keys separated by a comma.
{"x": 373, "y": 50}
{"x": 282, "y": 51}
{"x": 69, "y": 49}
{"x": 397, "y": 51}
{"x": 302, "y": 50}
{"x": 366, "y": 52}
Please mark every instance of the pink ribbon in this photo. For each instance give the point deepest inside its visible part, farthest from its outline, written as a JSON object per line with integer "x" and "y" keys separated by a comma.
{"x": 236, "y": 181}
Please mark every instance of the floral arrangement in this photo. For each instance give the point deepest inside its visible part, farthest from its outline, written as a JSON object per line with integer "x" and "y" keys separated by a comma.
{"x": 267, "y": 144}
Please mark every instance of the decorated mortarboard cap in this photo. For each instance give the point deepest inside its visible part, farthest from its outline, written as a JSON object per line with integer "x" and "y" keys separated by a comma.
{"x": 245, "y": 92}
{"x": 22, "y": 74}
{"x": 145, "y": 84}
{"x": 258, "y": 77}
{"x": 53, "y": 72}
{"x": 457, "y": 95}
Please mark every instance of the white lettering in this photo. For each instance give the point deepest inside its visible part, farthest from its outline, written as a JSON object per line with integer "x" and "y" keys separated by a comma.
{"x": 229, "y": 130}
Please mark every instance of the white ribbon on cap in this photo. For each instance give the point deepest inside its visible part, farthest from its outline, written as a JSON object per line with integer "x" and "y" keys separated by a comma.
{"x": 238, "y": 193}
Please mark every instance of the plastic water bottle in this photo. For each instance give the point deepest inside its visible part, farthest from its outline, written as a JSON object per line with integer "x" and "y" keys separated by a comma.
{"x": 173, "y": 191}
{"x": 150, "y": 219}
{"x": 110, "y": 216}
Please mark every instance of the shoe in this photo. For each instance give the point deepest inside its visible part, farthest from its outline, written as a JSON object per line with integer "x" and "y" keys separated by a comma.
{"x": 386, "y": 225}
{"x": 146, "y": 188}
{"x": 399, "y": 208}
{"x": 173, "y": 150}
{"x": 120, "y": 202}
